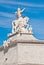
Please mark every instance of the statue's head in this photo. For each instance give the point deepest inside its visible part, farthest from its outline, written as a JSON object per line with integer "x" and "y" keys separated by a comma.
{"x": 18, "y": 9}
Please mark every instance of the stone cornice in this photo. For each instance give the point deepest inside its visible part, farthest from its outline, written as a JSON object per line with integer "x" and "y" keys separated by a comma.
{"x": 31, "y": 41}
{"x": 9, "y": 36}
{"x": 23, "y": 42}
{"x": 30, "y": 64}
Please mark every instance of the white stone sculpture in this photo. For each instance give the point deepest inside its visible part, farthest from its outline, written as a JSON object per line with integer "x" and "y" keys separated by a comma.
{"x": 5, "y": 44}
{"x": 21, "y": 24}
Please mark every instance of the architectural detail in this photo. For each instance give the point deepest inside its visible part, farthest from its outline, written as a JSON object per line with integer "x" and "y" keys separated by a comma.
{"x": 22, "y": 48}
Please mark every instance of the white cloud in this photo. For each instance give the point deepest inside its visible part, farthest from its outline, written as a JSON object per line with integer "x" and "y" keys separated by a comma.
{"x": 22, "y": 3}
{"x": 6, "y": 20}
{"x": 7, "y": 14}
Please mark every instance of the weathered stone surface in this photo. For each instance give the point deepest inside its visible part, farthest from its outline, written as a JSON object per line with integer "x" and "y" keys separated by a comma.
{"x": 31, "y": 53}
{"x": 23, "y": 49}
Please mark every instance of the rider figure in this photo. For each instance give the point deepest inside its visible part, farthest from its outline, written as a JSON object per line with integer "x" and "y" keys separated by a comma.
{"x": 19, "y": 11}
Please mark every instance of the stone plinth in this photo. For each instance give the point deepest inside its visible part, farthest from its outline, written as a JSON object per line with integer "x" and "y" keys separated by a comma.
{"x": 24, "y": 50}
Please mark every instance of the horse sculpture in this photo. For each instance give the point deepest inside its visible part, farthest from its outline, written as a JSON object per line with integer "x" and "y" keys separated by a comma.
{"x": 19, "y": 24}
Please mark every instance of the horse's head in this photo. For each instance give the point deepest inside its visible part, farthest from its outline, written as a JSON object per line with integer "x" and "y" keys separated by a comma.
{"x": 26, "y": 19}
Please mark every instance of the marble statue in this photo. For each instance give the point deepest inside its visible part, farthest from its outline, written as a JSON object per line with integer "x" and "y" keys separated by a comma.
{"x": 21, "y": 24}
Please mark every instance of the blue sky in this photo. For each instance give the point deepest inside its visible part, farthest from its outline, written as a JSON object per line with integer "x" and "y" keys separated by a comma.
{"x": 34, "y": 10}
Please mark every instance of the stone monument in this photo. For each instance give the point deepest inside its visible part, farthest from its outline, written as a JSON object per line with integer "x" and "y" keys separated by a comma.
{"x": 21, "y": 47}
{"x": 21, "y": 24}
